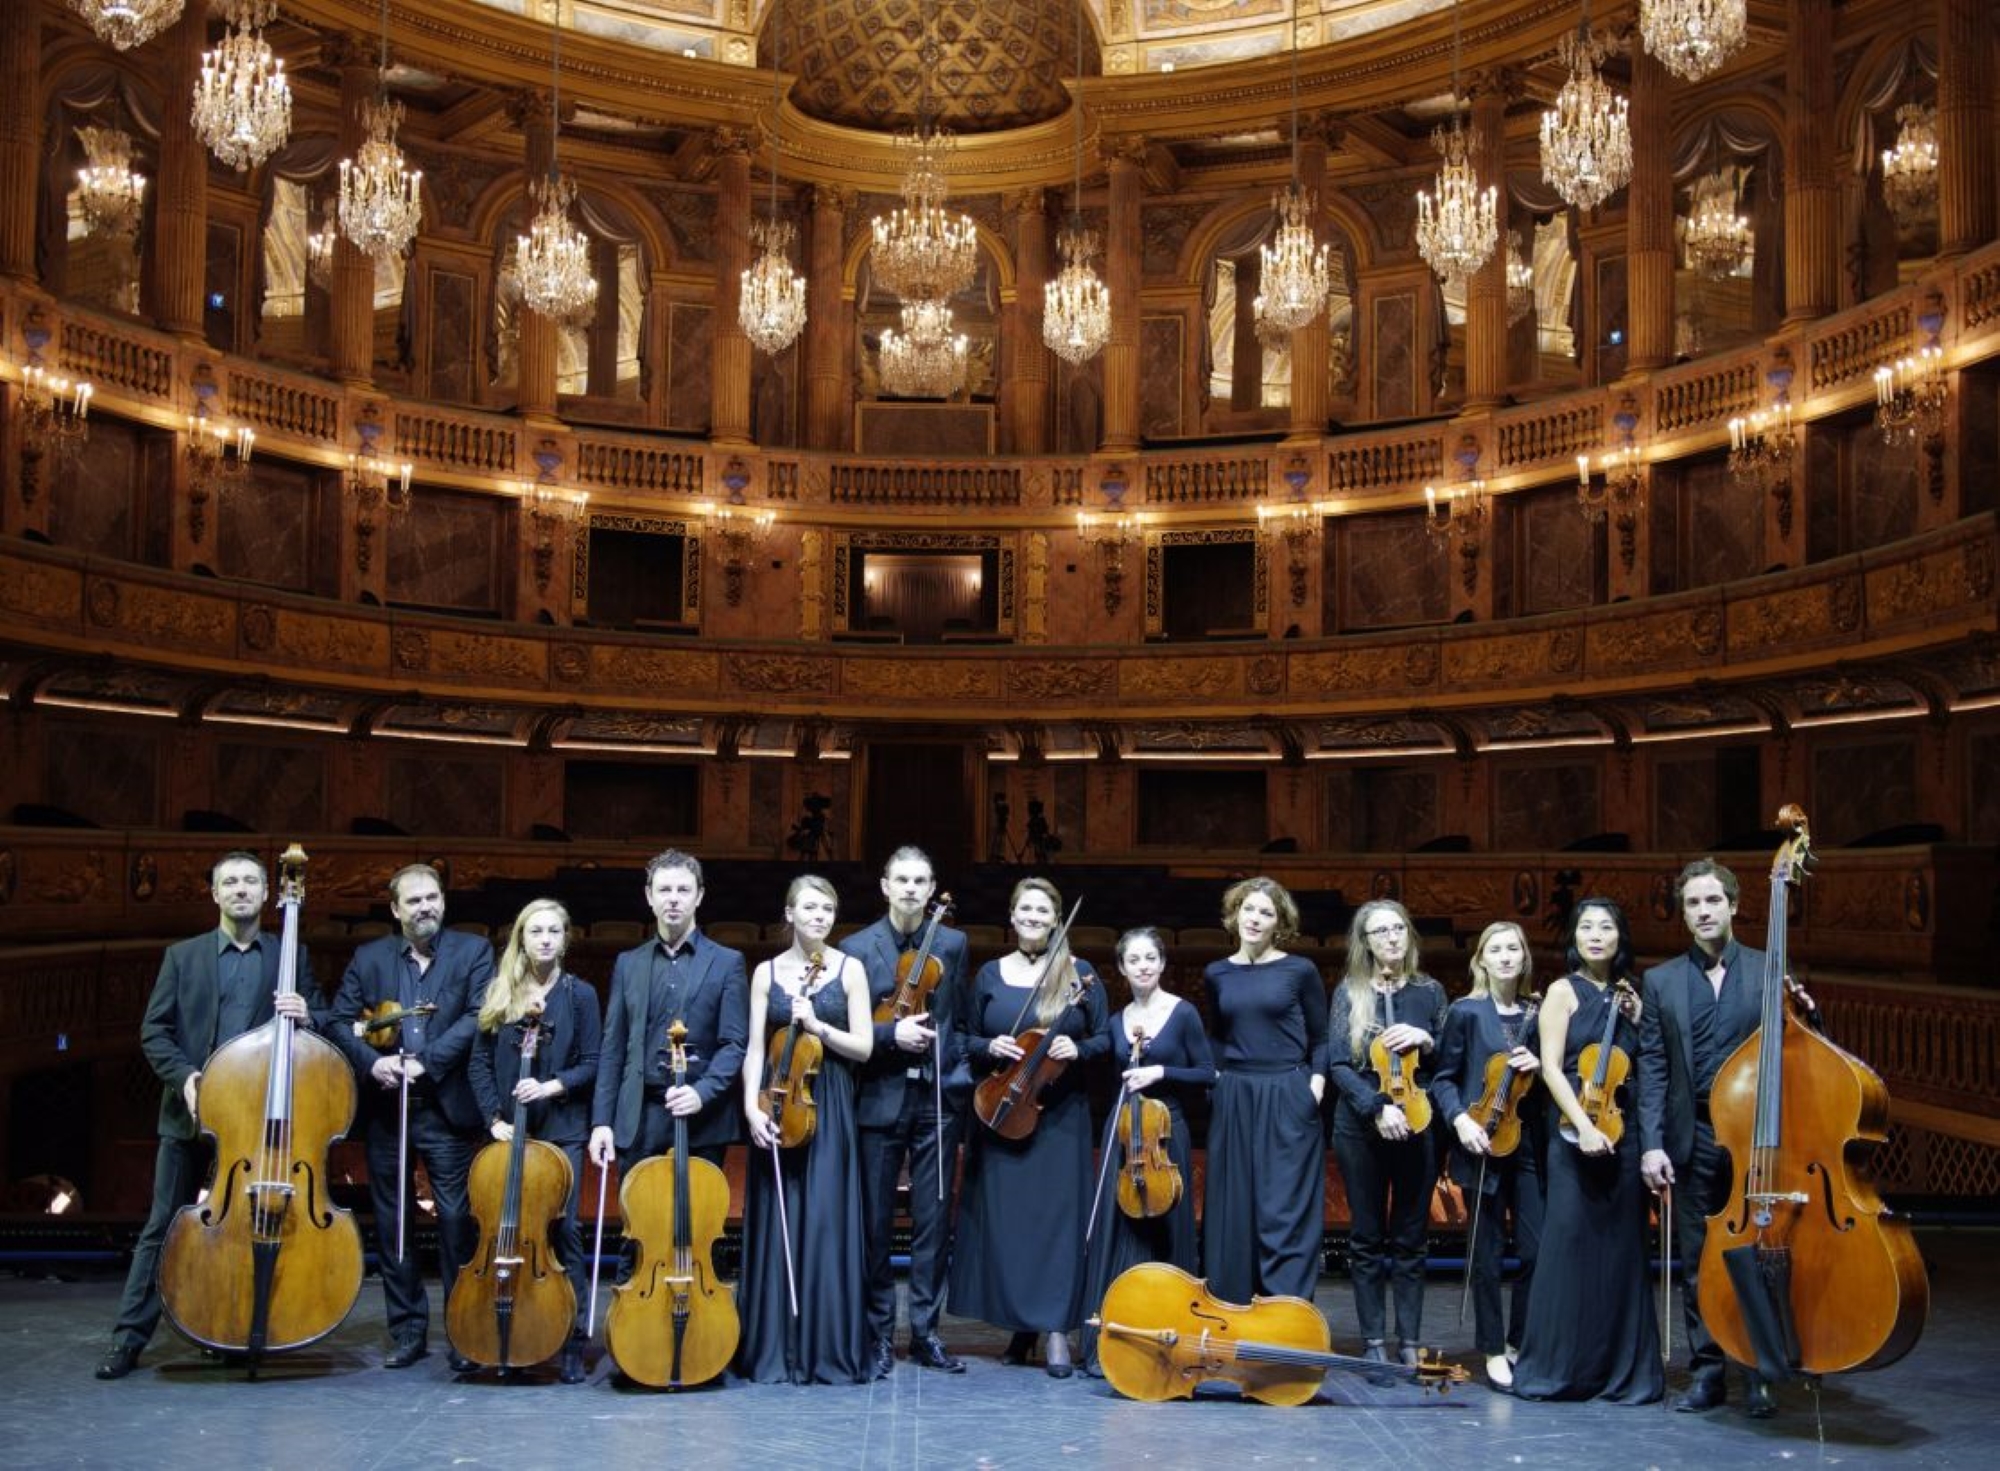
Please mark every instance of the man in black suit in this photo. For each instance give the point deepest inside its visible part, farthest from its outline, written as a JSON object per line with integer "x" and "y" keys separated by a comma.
{"x": 210, "y": 988}
{"x": 679, "y": 974}
{"x": 425, "y": 965}
{"x": 900, "y": 1119}
{"x": 1699, "y": 1007}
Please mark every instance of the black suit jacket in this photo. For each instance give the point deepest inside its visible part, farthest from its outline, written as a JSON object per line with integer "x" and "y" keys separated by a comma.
{"x": 716, "y": 1008}
{"x": 177, "y": 1033}
{"x": 886, "y": 1073}
{"x": 568, "y": 1052}
{"x": 462, "y": 964}
{"x": 1666, "y": 1051}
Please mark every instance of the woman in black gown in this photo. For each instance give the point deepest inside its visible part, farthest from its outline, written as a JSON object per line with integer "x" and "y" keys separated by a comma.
{"x": 531, "y": 980}
{"x": 1591, "y": 1331}
{"x": 1389, "y": 1168}
{"x": 1496, "y": 1019}
{"x": 1018, "y": 1261}
{"x": 1264, "y": 1210}
{"x": 1176, "y": 1068}
{"x": 826, "y": 992}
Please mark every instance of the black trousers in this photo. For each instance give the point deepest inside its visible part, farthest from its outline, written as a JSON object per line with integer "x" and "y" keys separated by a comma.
{"x": 1389, "y": 1200}
{"x": 1513, "y": 1202}
{"x": 1700, "y": 1190}
{"x": 913, "y": 1137}
{"x": 447, "y": 1155}
{"x": 180, "y": 1169}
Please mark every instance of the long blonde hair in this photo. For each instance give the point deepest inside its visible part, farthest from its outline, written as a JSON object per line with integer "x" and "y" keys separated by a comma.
{"x": 1053, "y": 999}
{"x": 514, "y": 980}
{"x": 1364, "y": 972}
{"x": 1482, "y": 979}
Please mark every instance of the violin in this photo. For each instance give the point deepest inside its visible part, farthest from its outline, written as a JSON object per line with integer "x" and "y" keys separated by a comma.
{"x": 675, "y": 1208}
{"x": 1009, "y": 1101}
{"x": 267, "y": 1261}
{"x": 790, "y": 1065}
{"x": 918, "y": 972}
{"x": 1498, "y": 1111}
{"x": 1149, "y": 1184}
{"x": 1803, "y": 1270}
{"x": 512, "y": 1304}
{"x": 1602, "y": 1067}
{"x": 381, "y": 1025}
{"x": 1162, "y": 1333}
{"x": 1396, "y": 1072}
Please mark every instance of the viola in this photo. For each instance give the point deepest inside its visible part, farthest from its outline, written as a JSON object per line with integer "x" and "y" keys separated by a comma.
{"x": 1602, "y": 1067}
{"x": 791, "y": 1063}
{"x": 381, "y": 1025}
{"x": 1803, "y": 1270}
{"x": 1009, "y": 1100}
{"x": 267, "y": 1261}
{"x": 918, "y": 972}
{"x": 673, "y": 1325}
{"x": 512, "y": 1304}
{"x": 1498, "y": 1111}
{"x": 1162, "y": 1333}
{"x": 1396, "y": 1072}
{"x": 1149, "y": 1184}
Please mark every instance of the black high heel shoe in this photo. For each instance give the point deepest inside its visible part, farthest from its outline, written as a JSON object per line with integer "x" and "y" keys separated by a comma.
{"x": 1058, "y": 1361}
{"x": 1019, "y": 1351}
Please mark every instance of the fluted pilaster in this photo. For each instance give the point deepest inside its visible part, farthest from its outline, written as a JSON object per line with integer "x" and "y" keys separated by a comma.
{"x": 20, "y": 136}
{"x": 729, "y": 388}
{"x": 177, "y": 262}
{"x": 1486, "y": 292}
{"x": 827, "y": 370}
{"x": 1812, "y": 189}
{"x": 1309, "y": 366}
{"x": 1026, "y": 384}
{"x": 1967, "y": 216}
{"x": 351, "y": 327}
{"x": 1122, "y": 245}
{"x": 535, "y": 373}
{"x": 1649, "y": 222}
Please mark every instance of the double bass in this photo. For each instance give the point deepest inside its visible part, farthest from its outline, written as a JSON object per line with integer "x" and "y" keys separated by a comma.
{"x": 267, "y": 1261}
{"x": 673, "y": 1325}
{"x": 513, "y": 1304}
{"x": 1009, "y": 1101}
{"x": 1803, "y": 1270}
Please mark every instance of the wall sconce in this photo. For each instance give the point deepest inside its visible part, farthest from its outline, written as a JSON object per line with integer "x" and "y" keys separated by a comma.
{"x": 1460, "y": 514}
{"x": 549, "y": 510}
{"x": 1621, "y": 491}
{"x": 1912, "y": 394}
{"x": 374, "y": 482}
{"x": 1761, "y": 446}
{"x": 1294, "y": 527}
{"x": 739, "y": 531}
{"x": 1107, "y": 535}
{"x": 53, "y": 416}
{"x": 217, "y": 456}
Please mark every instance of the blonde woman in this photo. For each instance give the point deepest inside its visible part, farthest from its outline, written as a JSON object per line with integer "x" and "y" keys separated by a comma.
{"x": 531, "y": 981}
{"x": 1388, "y": 1165}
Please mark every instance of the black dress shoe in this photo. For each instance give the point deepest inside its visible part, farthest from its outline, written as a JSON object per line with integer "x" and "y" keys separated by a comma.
{"x": 460, "y": 1364}
{"x": 120, "y": 1361}
{"x": 1760, "y": 1399}
{"x": 571, "y": 1369}
{"x": 1020, "y": 1349}
{"x": 882, "y": 1359}
{"x": 405, "y": 1353}
{"x": 929, "y": 1352}
{"x": 1705, "y": 1393}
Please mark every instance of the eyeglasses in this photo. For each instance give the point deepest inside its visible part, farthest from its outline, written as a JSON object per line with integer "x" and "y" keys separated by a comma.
{"x": 1383, "y": 931}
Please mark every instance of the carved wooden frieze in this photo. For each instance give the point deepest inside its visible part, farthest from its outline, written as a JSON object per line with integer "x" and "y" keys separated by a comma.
{"x": 1475, "y": 895}
{"x": 1081, "y": 680}
{"x": 488, "y": 656}
{"x": 1383, "y": 669}
{"x": 921, "y": 679}
{"x": 1654, "y": 640}
{"x": 781, "y": 674}
{"x": 306, "y": 641}
{"x": 1178, "y": 679}
{"x": 1505, "y": 659}
{"x": 40, "y": 594}
{"x": 1799, "y": 615}
{"x": 1925, "y": 586}
{"x": 159, "y": 615}
{"x": 654, "y": 673}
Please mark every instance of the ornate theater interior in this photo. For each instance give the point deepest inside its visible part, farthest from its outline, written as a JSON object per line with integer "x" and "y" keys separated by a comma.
{"x": 1470, "y": 453}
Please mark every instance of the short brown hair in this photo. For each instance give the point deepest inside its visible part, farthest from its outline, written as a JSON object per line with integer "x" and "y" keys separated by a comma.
{"x": 1706, "y": 868}
{"x": 1281, "y": 900}
{"x": 418, "y": 870}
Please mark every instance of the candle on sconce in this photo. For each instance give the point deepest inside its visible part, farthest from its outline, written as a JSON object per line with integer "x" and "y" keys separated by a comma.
{"x": 1583, "y": 471}
{"x": 407, "y": 469}
{"x": 84, "y": 393}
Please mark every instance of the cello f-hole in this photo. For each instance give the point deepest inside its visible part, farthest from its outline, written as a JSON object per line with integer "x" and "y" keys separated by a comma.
{"x": 1833, "y": 1217}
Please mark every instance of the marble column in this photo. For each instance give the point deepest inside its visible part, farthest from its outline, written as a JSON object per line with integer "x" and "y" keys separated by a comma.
{"x": 828, "y": 369}
{"x": 1812, "y": 185}
{"x": 351, "y": 324}
{"x": 177, "y": 263}
{"x": 1026, "y": 382}
{"x": 1649, "y": 222}
{"x": 1486, "y": 291}
{"x": 1309, "y": 359}
{"x": 729, "y": 389}
{"x": 537, "y": 335}
{"x": 20, "y": 136}
{"x": 1967, "y": 217}
{"x": 1122, "y": 160}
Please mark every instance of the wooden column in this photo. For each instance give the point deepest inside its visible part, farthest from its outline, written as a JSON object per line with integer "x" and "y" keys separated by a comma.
{"x": 1812, "y": 187}
{"x": 729, "y": 388}
{"x": 1025, "y": 384}
{"x": 535, "y": 371}
{"x": 603, "y": 378}
{"x": 1122, "y": 160}
{"x": 20, "y": 136}
{"x": 1649, "y": 222}
{"x": 828, "y": 371}
{"x": 1309, "y": 360}
{"x": 177, "y": 263}
{"x": 1486, "y": 291}
{"x": 1967, "y": 217}
{"x": 351, "y": 326}
{"x": 1246, "y": 359}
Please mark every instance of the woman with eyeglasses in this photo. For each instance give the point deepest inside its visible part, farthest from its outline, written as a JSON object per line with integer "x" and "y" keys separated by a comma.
{"x": 1264, "y": 1212}
{"x": 1387, "y": 1160}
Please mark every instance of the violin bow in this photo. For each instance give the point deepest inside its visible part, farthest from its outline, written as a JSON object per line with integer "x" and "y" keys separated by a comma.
{"x": 1666, "y": 1283}
{"x": 1472, "y": 1240}
{"x": 1104, "y": 1159}
{"x": 402, "y": 1145}
{"x": 784, "y": 1227}
{"x": 937, "y": 1102}
{"x": 596, "y": 1255}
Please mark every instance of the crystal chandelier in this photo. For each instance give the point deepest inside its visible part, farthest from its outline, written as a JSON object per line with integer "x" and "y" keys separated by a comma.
{"x": 127, "y": 23}
{"x": 1458, "y": 225}
{"x": 1295, "y": 276}
{"x": 108, "y": 191}
{"x": 921, "y": 252}
{"x": 1692, "y": 37}
{"x": 1716, "y": 238}
{"x": 1520, "y": 280}
{"x": 772, "y": 305}
{"x": 381, "y": 201}
{"x": 1910, "y": 169}
{"x": 243, "y": 104}
{"x": 925, "y": 359}
{"x": 552, "y": 261}
{"x": 1586, "y": 136}
{"x": 1076, "y": 305}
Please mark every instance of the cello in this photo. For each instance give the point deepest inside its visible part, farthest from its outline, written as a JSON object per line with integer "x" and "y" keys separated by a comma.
{"x": 675, "y": 1208}
{"x": 1009, "y": 1101}
{"x": 512, "y": 1304}
{"x": 1396, "y": 1072}
{"x": 1149, "y": 1183}
{"x": 1803, "y": 1270}
{"x": 267, "y": 1261}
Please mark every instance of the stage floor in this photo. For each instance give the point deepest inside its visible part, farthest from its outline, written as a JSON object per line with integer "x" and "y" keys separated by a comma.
{"x": 333, "y": 1406}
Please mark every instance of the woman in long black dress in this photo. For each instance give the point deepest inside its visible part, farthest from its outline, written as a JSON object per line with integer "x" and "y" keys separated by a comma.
{"x": 1018, "y": 1262}
{"x": 1264, "y": 1211}
{"x": 1591, "y": 1331}
{"x": 826, "y": 992}
{"x": 1389, "y": 1167}
{"x": 1496, "y": 1020}
{"x": 1176, "y": 1068}
{"x": 531, "y": 980}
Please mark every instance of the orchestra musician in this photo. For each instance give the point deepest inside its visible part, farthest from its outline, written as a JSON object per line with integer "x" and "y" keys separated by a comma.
{"x": 1591, "y": 1332}
{"x": 1018, "y": 1262}
{"x": 814, "y": 1247}
{"x": 1495, "y": 1020}
{"x": 1388, "y": 1161}
{"x": 532, "y": 984}
{"x": 210, "y": 988}
{"x": 1264, "y": 1212}
{"x": 901, "y": 1122}
{"x": 438, "y": 978}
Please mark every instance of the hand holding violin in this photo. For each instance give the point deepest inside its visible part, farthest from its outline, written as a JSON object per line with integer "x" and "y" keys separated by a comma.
{"x": 915, "y": 1033}
{"x": 1142, "y": 1077}
{"x": 1006, "y": 1049}
{"x": 1392, "y": 1123}
{"x": 1403, "y": 1037}
{"x": 763, "y": 1133}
